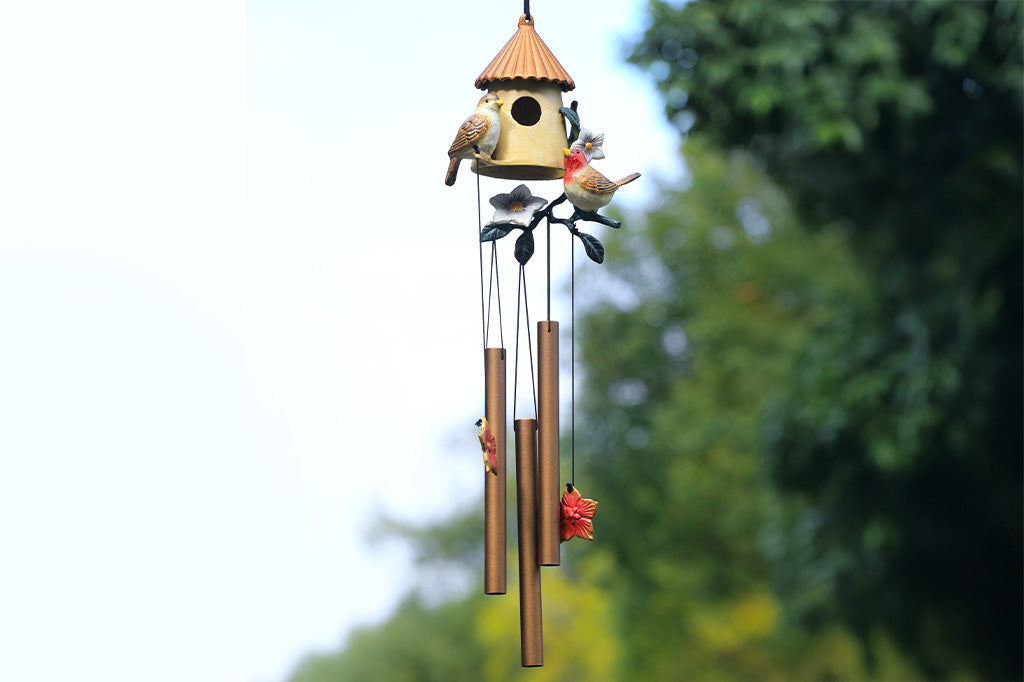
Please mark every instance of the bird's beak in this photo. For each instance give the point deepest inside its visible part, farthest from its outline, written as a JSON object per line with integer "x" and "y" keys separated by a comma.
{"x": 565, "y": 152}
{"x": 500, "y": 102}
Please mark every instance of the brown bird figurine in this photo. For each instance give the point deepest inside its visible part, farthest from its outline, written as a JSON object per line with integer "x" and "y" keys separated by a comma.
{"x": 477, "y": 134}
{"x": 585, "y": 187}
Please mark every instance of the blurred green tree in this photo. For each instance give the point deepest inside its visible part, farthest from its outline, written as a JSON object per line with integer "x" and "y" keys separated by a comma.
{"x": 899, "y": 443}
{"x": 426, "y": 639}
{"x": 418, "y": 643}
{"x": 469, "y": 636}
{"x": 713, "y": 298}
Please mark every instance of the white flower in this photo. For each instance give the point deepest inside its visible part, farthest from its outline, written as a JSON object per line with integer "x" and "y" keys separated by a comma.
{"x": 518, "y": 206}
{"x": 590, "y": 143}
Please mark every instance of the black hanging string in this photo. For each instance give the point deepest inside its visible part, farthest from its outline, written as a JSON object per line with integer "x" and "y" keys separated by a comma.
{"x": 497, "y": 286}
{"x": 479, "y": 229}
{"x": 572, "y": 362}
{"x": 490, "y": 289}
{"x": 526, "y": 9}
{"x": 515, "y": 371}
{"x": 493, "y": 279}
{"x": 549, "y": 272}
{"x": 529, "y": 341}
{"x": 522, "y": 302}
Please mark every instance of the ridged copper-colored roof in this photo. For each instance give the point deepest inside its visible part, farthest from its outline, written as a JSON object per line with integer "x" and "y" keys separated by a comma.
{"x": 525, "y": 56}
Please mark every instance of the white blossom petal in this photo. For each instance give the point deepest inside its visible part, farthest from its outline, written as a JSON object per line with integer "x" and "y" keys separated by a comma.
{"x": 521, "y": 193}
{"x": 590, "y": 143}
{"x": 501, "y": 201}
{"x": 535, "y": 203}
{"x": 503, "y": 215}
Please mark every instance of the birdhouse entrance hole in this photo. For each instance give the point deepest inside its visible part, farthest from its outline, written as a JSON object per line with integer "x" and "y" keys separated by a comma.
{"x": 526, "y": 111}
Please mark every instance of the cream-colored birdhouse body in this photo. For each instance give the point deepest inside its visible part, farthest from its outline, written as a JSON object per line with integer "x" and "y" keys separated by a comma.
{"x": 530, "y": 82}
{"x": 532, "y": 132}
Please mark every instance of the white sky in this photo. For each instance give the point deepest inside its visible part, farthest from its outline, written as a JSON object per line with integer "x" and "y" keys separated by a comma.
{"x": 239, "y": 312}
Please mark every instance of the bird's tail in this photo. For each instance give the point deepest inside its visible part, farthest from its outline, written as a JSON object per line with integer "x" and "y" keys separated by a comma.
{"x": 628, "y": 179}
{"x": 453, "y": 168}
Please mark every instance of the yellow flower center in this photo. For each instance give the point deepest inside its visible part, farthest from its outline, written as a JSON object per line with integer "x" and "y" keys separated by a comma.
{"x": 589, "y": 147}
{"x": 515, "y": 206}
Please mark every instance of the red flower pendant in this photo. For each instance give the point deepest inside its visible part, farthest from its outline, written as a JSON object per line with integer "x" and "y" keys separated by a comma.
{"x": 577, "y": 512}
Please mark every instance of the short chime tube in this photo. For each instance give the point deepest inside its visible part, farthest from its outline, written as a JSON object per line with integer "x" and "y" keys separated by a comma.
{"x": 494, "y": 482}
{"x": 547, "y": 436}
{"x": 530, "y": 627}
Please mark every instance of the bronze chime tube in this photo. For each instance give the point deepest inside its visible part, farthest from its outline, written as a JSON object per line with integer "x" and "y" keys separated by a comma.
{"x": 494, "y": 482}
{"x": 531, "y": 631}
{"x": 547, "y": 436}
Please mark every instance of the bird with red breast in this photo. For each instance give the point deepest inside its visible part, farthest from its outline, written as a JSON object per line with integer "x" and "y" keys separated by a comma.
{"x": 585, "y": 187}
{"x": 478, "y": 134}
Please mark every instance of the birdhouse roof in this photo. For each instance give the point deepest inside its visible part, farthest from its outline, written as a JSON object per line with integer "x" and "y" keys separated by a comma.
{"x": 525, "y": 56}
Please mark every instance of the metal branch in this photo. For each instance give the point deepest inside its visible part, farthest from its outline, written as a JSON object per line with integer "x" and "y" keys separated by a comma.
{"x": 524, "y": 245}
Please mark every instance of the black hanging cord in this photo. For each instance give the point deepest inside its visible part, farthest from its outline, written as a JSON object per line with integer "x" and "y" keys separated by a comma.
{"x": 493, "y": 279}
{"x": 526, "y": 9}
{"x": 572, "y": 362}
{"x": 548, "y": 222}
{"x": 479, "y": 224}
{"x": 497, "y": 287}
{"x": 495, "y": 282}
{"x": 515, "y": 372}
{"x": 529, "y": 337}
{"x": 490, "y": 290}
{"x": 522, "y": 301}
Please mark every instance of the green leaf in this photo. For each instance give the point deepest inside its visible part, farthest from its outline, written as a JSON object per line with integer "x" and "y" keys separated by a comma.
{"x": 593, "y": 247}
{"x": 524, "y": 247}
{"x": 494, "y": 231}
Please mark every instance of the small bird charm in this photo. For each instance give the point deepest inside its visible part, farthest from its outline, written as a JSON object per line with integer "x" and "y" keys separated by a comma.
{"x": 490, "y": 446}
{"x": 477, "y": 134}
{"x": 585, "y": 187}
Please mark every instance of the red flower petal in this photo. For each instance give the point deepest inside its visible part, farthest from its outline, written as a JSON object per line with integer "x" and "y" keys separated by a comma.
{"x": 587, "y": 508}
{"x": 566, "y": 530}
{"x": 585, "y": 529}
{"x": 570, "y": 499}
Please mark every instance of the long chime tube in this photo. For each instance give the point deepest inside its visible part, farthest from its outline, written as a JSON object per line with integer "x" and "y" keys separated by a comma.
{"x": 530, "y": 625}
{"x": 495, "y": 531}
{"x": 547, "y": 436}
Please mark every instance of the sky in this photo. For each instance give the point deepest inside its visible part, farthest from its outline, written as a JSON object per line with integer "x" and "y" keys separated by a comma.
{"x": 240, "y": 312}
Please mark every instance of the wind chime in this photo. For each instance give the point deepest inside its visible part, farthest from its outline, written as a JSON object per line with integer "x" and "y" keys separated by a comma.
{"x": 518, "y": 132}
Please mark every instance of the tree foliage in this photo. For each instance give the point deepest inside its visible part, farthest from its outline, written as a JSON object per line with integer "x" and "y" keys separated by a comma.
{"x": 900, "y": 437}
{"x": 419, "y": 643}
{"x": 716, "y": 295}
{"x": 469, "y": 636}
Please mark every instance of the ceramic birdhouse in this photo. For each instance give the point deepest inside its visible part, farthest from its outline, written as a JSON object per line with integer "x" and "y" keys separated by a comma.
{"x": 530, "y": 82}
